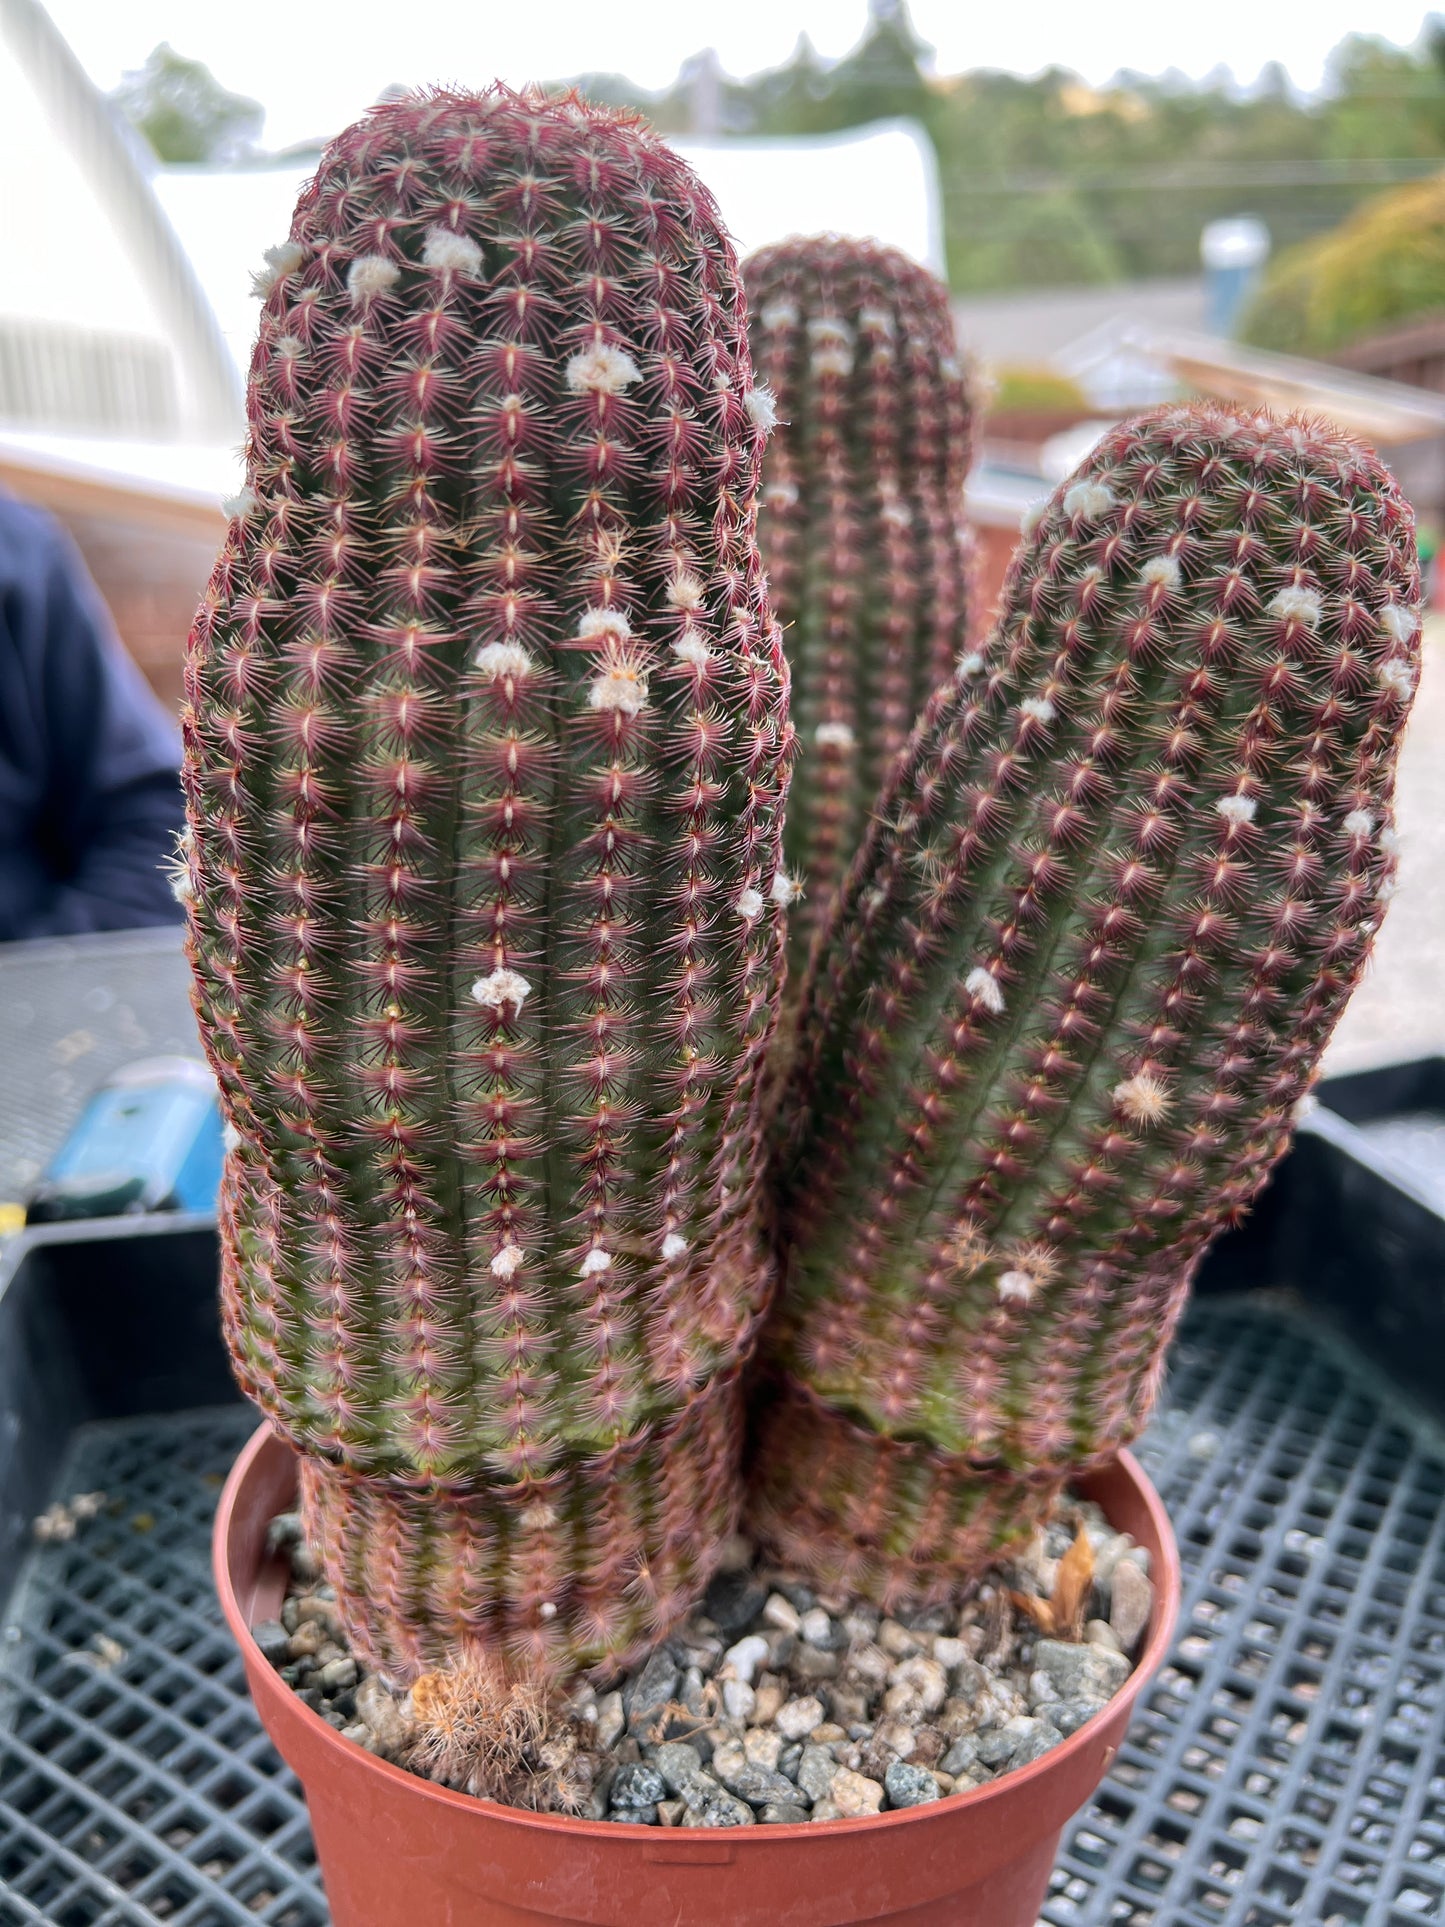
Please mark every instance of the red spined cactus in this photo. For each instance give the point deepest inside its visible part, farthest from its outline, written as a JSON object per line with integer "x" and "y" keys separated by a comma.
{"x": 862, "y": 524}
{"x": 485, "y": 765}
{"x": 1112, "y": 902}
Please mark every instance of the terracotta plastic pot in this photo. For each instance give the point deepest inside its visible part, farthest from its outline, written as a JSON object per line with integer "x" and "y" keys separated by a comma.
{"x": 396, "y": 1850}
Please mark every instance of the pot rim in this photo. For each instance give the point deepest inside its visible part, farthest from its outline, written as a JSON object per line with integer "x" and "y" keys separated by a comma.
{"x": 1167, "y": 1592}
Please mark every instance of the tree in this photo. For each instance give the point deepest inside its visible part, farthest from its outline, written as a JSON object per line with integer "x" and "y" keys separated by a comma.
{"x": 185, "y": 113}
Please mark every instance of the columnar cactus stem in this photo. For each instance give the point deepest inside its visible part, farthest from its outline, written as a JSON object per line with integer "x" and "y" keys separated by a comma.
{"x": 862, "y": 524}
{"x": 1112, "y": 903}
{"x": 485, "y": 768}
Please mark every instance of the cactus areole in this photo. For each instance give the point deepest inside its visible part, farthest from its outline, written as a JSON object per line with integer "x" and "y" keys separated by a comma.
{"x": 1112, "y": 902}
{"x": 486, "y": 755}
{"x": 862, "y": 524}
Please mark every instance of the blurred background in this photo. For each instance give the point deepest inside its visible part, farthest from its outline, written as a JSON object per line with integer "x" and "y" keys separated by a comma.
{"x": 1128, "y": 203}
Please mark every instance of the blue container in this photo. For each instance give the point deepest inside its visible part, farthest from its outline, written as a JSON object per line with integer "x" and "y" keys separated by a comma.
{"x": 149, "y": 1140}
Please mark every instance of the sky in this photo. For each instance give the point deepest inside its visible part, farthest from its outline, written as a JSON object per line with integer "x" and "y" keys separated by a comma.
{"x": 316, "y": 64}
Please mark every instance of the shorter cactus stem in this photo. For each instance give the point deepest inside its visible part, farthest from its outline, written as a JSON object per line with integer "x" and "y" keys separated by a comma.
{"x": 1113, "y": 899}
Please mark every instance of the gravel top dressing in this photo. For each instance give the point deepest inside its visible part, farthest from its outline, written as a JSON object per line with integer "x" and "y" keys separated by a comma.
{"x": 771, "y": 1703}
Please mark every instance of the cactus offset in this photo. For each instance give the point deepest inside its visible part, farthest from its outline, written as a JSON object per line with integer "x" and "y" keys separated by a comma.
{"x": 862, "y": 524}
{"x": 485, "y": 766}
{"x": 1113, "y": 901}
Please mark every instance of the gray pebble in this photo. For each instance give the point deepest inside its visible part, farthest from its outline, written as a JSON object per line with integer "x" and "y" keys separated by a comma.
{"x": 909, "y": 1786}
{"x": 962, "y": 1756}
{"x": 635, "y": 1816}
{"x": 758, "y": 1786}
{"x": 1081, "y": 1672}
{"x": 337, "y": 1674}
{"x": 677, "y": 1762}
{"x": 782, "y": 1813}
{"x": 1034, "y": 1745}
{"x": 1131, "y": 1604}
{"x": 638, "y": 1786}
{"x": 1067, "y": 1716}
{"x": 645, "y": 1696}
{"x": 611, "y": 1719}
{"x": 273, "y": 1639}
{"x": 813, "y": 1772}
{"x": 811, "y": 1663}
{"x": 710, "y": 1805}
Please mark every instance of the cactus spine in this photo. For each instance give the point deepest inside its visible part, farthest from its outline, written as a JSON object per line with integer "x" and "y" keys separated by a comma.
{"x": 485, "y": 766}
{"x": 1111, "y": 905}
{"x": 862, "y": 524}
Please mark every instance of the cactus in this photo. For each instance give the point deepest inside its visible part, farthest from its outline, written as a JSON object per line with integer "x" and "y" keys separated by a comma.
{"x": 1114, "y": 898}
{"x": 862, "y": 524}
{"x": 486, "y": 759}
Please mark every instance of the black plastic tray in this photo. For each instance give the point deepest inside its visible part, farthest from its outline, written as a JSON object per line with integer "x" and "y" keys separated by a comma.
{"x": 1288, "y": 1766}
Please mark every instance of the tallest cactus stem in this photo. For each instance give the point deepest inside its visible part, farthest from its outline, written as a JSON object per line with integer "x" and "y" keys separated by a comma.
{"x": 485, "y": 772}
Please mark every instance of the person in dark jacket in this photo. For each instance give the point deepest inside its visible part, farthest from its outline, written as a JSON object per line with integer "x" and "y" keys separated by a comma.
{"x": 90, "y": 799}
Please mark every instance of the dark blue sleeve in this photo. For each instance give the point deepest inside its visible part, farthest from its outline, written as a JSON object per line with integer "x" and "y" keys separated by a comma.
{"x": 89, "y": 791}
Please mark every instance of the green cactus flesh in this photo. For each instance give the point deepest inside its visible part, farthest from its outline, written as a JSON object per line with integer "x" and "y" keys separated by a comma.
{"x": 1112, "y": 902}
{"x": 486, "y": 758}
{"x": 862, "y": 524}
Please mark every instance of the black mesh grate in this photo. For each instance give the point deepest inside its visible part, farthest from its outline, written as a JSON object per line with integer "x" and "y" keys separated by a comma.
{"x": 135, "y": 1783}
{"x": 1288, "y": 1767}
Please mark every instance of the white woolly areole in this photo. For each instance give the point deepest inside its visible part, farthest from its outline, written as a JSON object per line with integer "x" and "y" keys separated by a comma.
{"x": 1358, "y": 823}
{"x": 595, "y": 1263}
{"x": 1390, "y": 841}
{"x": 1237, "y": 809}
{"x": 371, "y": 274}
{"x": 691, "y": 647}
{"x": 1031, "y": 517}
{"x": 783, "y": 890}
{"x": 780, "y": 495}
{"x": 875, "y": 321}
{"x": 601, "y": 370}
{"x": 281, "y": 260}
{"x": 833, "y": 358}
{"x": 237, "y": 507}
{"x": 1298, "y": 605}
{"x": 685, "y": 592}
{"x": 1016, "y": 1287}
{"x": 506, "y": 1261}
{"x": 620, "y": 687}
{"x": 780, "y": 314}
{"x": 603, "y": 622}
{"x": 984, "y": 985}
{"x": 1304, "y": 1107}
{"x": 896, "y": 513}
{"x": 1398, "y": 677}
{"x": 1398, "y": 622}
{"x": 1088, "y": 500}
{"x": 750, "y": 904}
{"x": 833, "y": 736}
{"x": 501, "y": 988}
{"x": 762, "y": 406}
{"x": 673, "y": 1246}
{"x": 970, "y": 663}
{"x": 828, "y": 327}
{"x": 230, "y": 1136}
{"x": 182, "y": 889}
{"x": 445, "y": 249}
{"x": 501, "y": 659}
{"x": 950, "y": 367}
{"x": 1142, "y": 1098}
{"x": 1039, "y": 707}
{"x": 1161, "y": 571}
